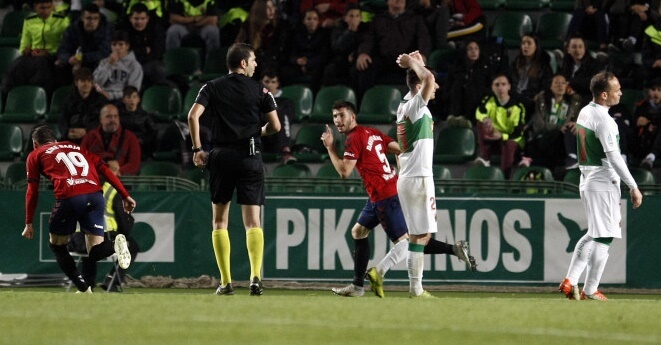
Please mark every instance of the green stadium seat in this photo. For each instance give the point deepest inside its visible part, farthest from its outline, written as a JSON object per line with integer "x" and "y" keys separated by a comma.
{"x": 630, "y": 97}
{"x": 57, "y": 99}
{"x": 486, "y": 175}
{"x": 159, "y": 169}
{"x": 455, "y": 145}
{"x": 510, "y": 26}
{"x": 197, "y": 175}
{"x": 164, "y": 102}
{"x": 572, "y": 176}
{"x": 183, "y": 63}
{"x": 12, "y": 27}
{"x": 526, "y": 5}
{"x": 189, "y": 100}
{"x": 379, "y": 105}
{"x": 168, "y": 145}
{"x": 441, "y": 59}
{"x": 302, "y": 97}
{"x": 308, "y": 146}
{"x": 642, "y": 176}
{"x": 293, "y": 170}
{"x": 11, "y": 141}
{"x": 16, "y": 173}
{"x": 492, "y": 4}
{"x": 441, "y": 172}
{"x": 215, "y": 64}
{"x": 25, "y": 104}
{"x": 7, "y": 57}
{"x": 552, "y": 29}
{"x": 562, "y": 5}
{"x": 322, "y": 108}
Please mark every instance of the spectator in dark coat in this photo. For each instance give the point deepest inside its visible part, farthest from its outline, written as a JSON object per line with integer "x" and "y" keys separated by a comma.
{"x": 80, "y": 110}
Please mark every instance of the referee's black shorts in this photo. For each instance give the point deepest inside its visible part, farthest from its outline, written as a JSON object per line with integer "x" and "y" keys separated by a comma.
{"x": 232, "y": 169}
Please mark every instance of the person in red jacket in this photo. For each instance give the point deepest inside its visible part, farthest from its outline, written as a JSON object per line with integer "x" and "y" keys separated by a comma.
{"x": 330, "y": 11}
{"x": 74, "y": 173}
{"x": 119, "y": 147}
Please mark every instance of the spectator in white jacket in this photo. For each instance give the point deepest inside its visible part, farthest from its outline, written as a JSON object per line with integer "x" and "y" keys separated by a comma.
{"x": 119, "y": 70}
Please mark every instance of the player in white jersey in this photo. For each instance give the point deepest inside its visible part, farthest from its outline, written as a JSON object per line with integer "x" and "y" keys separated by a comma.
{"x": 602, "y": 167}
{"x": 416, "y": 180}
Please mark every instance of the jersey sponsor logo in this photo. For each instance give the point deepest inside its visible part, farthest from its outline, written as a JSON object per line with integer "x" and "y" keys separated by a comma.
{"x": 77, "y": 181}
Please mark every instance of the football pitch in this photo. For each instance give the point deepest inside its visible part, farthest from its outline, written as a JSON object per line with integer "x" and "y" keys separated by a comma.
{"x": 197, "y": 316}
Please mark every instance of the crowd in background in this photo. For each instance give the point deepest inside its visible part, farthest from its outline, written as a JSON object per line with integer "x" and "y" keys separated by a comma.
{"x": 522, "y": 106}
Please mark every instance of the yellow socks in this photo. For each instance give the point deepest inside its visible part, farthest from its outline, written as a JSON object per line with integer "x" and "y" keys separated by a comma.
{"x": 255, "y": 244}
{"x": 221, "y": 248}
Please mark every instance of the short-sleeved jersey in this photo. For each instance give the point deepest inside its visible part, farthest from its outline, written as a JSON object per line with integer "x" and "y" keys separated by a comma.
{"x": 236, "y": 105}
{"x": 368, "y": 146}
{"x": 415, "y": 134}
{"x": 597, "y": 134}
{"x": 71, "y": 169}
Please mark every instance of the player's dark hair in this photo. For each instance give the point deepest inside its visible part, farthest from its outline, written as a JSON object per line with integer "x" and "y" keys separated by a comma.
{"x": 237, "y": 53}
{"x": 43, "y": 134}
{"x": 412, "y": 78}
{"x": 600, "y": 83}
{"x": 344, "y": 104}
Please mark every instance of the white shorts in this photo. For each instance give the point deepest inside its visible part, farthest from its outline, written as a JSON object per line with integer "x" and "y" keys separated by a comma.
{"x": 418, "y": 198}
{"x": 603, "y": 213}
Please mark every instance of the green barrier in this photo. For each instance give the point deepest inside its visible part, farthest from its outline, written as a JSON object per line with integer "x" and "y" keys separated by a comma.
{"x": 525, "y": 239}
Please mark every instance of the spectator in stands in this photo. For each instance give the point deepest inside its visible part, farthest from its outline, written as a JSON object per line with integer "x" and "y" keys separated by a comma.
{"x": 531, "y": 70}
{"x": 330, "y": 11}
{"x": 579, "y": 67}
{"x": 267, "y": 33}
{"x": 280, "y": 142}
{"x": 501, "y": 119}
{"x": 466, "y": 20}
{"x": 198, "y": 17}
{"x": 157, "y": 10}
{"x": 86, "y": 41}
{"x": 119, "y": 70}
{"x": 147, "y": 41}
{"x": 344, "y": 40}
{"x": 652, "y": 48}
{"x": 391, "y": 33}
{"x": 468, "y": 82}
{"x": 627, "y": 19}
{"x": 645, "y": 142}
{"x": 41, "y": 35}
{"x": 589, "y": 19}
{"x": 309, "y": 53}
{"x": 119, "y": 147}
{"x": 137, "y": 120}
{"x": 623, "y": 117}
{"x": 81, "y": 109}
{"x": 551, "y": 134}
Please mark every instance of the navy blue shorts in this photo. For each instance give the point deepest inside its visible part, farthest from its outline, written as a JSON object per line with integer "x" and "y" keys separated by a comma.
{"x": 388, "y": 213}
{"x": 86, "y": 209}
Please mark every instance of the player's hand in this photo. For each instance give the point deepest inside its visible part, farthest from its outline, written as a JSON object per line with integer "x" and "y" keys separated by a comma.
{"x": 417, "y": 56}
{"x": 129, "y": 204}
{"x": 200, "y": 159}
{"x": 327, "y": 137}
{"x": 28, "y": 232}
{"x": 636, "y": 198}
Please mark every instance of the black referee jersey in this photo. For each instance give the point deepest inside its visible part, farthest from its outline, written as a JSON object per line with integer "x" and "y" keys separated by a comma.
{"x": 236, "y": 105}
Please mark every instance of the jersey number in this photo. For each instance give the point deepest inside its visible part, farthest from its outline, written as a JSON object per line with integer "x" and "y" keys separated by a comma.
{"x": 73, "y": 160}
{"x": 383, "y": 158}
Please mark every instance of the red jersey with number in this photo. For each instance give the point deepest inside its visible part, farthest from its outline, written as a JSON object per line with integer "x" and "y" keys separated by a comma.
{"x": 72, "y": 170}
{"x": 369, "y": 146}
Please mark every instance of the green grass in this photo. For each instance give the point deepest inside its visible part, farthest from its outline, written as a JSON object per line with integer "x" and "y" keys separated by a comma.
{"x": 196, "y": 316}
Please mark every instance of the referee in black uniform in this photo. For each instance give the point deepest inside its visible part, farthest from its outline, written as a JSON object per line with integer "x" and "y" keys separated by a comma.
{"x": 238, "y": 107}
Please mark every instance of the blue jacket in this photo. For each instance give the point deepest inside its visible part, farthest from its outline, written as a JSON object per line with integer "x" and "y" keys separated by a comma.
{"x": 95, "y": 45}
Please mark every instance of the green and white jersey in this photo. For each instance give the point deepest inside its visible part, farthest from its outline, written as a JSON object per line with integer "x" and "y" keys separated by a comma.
{"x": 415, "y": 134}
{"x": 597, "y": 134}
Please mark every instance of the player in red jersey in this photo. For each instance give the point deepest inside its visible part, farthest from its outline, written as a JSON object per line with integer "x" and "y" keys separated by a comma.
{"x": 74, "y": 173}
{"x": 366, "y": 149}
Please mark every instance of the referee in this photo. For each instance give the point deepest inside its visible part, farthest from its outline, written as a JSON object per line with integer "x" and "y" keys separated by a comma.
{"x": 238, "y": 106}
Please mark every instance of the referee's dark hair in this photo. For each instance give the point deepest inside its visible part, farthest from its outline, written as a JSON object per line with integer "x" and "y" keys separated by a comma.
{"x": 237, "y": 53}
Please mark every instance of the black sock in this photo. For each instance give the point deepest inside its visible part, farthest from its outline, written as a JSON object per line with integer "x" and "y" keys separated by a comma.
{"x": 89, "y": 271}
{"x": 438, "y": 247}
{"x": 68, "y": 265}
{"x": 361, "y": 256}
{"x": 101, "y": 251}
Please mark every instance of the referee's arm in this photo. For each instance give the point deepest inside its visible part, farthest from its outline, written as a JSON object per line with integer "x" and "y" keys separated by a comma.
{"x": 272, "y": 125}
{"x": 199, "y": 156}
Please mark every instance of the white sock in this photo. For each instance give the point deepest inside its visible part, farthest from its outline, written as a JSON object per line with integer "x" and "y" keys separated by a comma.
{"x": 596, "y": 268}
{"x": 396, "y": 254}
{"x": 416, "y": 264}
{"x": 580, "y": 258}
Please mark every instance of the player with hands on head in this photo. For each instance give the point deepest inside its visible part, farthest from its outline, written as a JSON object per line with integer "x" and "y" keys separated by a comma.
{"x": 74, "y": 173}
{"x": 602, "y": 167}
{"x": 365, "y": 150}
